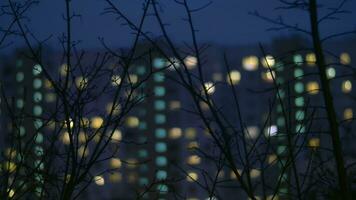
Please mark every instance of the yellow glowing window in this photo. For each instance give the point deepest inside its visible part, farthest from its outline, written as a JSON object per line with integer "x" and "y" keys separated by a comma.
{"x": 174, "y": 105}
{"x": 11, "y": 193}
{"x": 82, "y": 137}
{"x": 271, "y": 158}
{"x": 348, "y": 114}
{"x": 192, "y": 176}
{"x": 250, "y": 63}
{"x": 252, "y": 132}
{"x": 268, "y": 61}
{"x": 115, "y": 110}
{"x": 190, "y": 62}
{"x": 133, "y": 78}
{"x": 254, "y": 173}
{"x": 48, "y": 84}
{"x": 190, "y": 133}
{"x": 311, "y": 59}
{"x": 132, "y": 122}
{"x": 97, "y": 122}
{"x": 115, "y": 177}
{"x": 115, "y": 163}
{"x": 209, "y": 87}
{"x": 193, "y": 145}
{"x": 203, "y": 105}
{"x": 313, "y": 87}
{"x": 83, "y": 151}
{"x": 346, "y": 86}
{"x": 345, "y": 59}
{"x": 131, "y": 163}
{"x": 116, "y": 136}
{"x": 99, "y": 180}
{"x": 268, "y": 76}
{"x": 314, "y": 142}
{"x": 193, "y": 160}
{"x": 64, "y": 69}
{"x": 175, "y": 133}
{"x": 81, "y": 82}
{"x": 235, "y": 77}
{"x": 65, "y": 137}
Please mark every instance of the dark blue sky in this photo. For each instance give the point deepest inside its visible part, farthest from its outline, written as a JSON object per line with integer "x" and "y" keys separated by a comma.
{"x": 223, "y": 22}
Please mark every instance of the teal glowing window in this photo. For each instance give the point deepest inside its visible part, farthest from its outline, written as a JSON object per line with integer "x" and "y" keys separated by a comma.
{"x": 141, "y": 70}
{"x": 39, "y": 151}
{"x": 161, "y": 174}
{"x": 158, "y": 63}
{"x": 37, "y": 97}
{"x": 280, "y": 121}
{"x": 39, "y": 138}
{"x": 298, "y": 73}
{"x": 160, "y": 133}
{"x": 299, "y": 101}
{"x": 22, "y": 131}
{"x": 299, "y": 87}
{"x": 161, "y": 161}
{"x": 158, "y": 77}
{"x": 143, "y": 181}
{"x": 281, "y": 94}
{"x": 142, "y": 125}
{"x": 161, "y": 188}
{"x": 299, "y": 128}
{"x": 298, "y": 59}
{"x": 159, "y": 91}
{"x": 19, "y": 76}
{"x": 37, "y": 110}
{"x": 161, "y": 147}
{"x": 281, "y": 150}
{"x": 19, "y": 103}
{"x": 160, "y": 119}
{"x": 37, "y": 69}
{"x": 143, "y": 153}
{"x": 299, "y": 115}
{"x": 38, "y": 123}
{"x": 160, "y": 105}
{"x": 37, "y": 83}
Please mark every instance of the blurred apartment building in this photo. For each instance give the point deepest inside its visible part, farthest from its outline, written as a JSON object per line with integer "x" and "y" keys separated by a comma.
{"x": 166, "y": 134}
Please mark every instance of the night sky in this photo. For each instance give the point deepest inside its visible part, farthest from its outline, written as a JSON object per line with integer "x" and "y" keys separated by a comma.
{"x": 223, "y": 22}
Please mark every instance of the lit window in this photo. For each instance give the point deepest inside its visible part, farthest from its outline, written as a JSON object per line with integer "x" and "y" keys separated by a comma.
{"x": 192, "y": 145}
{"x": 330, "y": 72}
{"x": 299, "y": 101}
{"x": 190, "y": 133}
{"x": 190, "y": 62}
{"x": 83, "y": 151}
{"x": 160, "y": 105}
{"x": 311, "y": 59}
{"x": 192, "y": 176}
{"x": 255, "y": 173}
{"x": 268, "y": 61}
{"x": 299, "y": 87}
{"x": 115, "y": 110}
{"x": 271, "y": 130}
{"x": 173, "y": 63}
{"x": 268, "y": 76}
{"x": 158, "y": 63}
{"x": 299, "y": 115}
{"x": 252, "y": 132}
{"x": 159, "y": 91}
{"x": 300, "y": 128}
{"x": 48, "y": 84}
{"x": 19, "y": 103}
{"x": 161, "y": 174}
{"x": 346, "y": 86}
{"x": 160, "y": 118}
{"x": 96, "y": 122}
{"x": 298, "y": 59}
{"x": 209, "y": 87}
{"x": 174, "y": 105}
{"x": 298, "y": 73}
{"x": 65, "y": 138}
{"x": 314, "y": 142}
{"x": 133, "y": 78}
{"x": 235, "y": 77}
{"x": 141, "y": 70}
{"x": 37, "y": 97}
{"x": 115, "y": 163}
{"x": 115, "y": 177}
{"x": 158, "y": 77}
{"x": 313, "y": 87}
{"x": 116, "y": 136}
{"x": 11, "y": 193}
{"x": 345, "y": 59}
{"x": 271, "y": 158}
{"x": 82, "y": 137}
{"x": 37, "y": 69}
{"x": 348, "y": 114}
{"x": 19, "y": 76}
{"x": 64, "y": 69}
{"x": 250, "y": 63}
{"x": 175, "y": 133}
{"x": 162, "y": 188}
{"x": 50, "y": 97}
{"x": 115, "y": 80}
{"x": 217, "y": 77}
{"x": 161, "y": 147}
{"x": 37, "y": 110}
{"x": 132, "y": 122}
{"x": 161, "y": 161}
{"x": 193, "y": 160}
{"x": 203, "y": 105}
{"x": 99, "y": 180}
{"x": 37, "y": 83}
{"x": 81, "y": 82}
{"x": 160, "y": 133}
